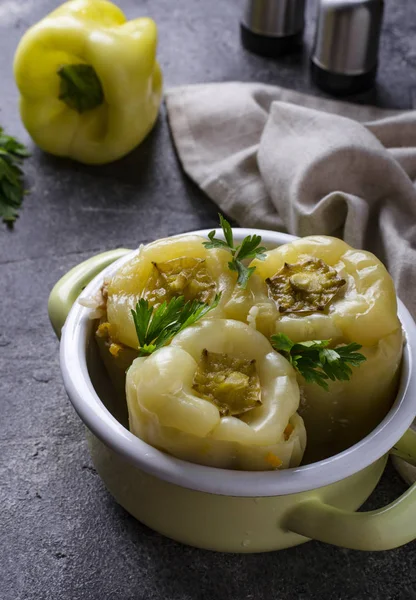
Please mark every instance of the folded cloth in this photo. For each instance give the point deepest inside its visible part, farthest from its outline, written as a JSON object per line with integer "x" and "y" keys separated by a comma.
{"x": 276, "y": 159}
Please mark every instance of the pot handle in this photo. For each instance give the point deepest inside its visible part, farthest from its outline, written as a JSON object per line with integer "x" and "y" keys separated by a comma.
{"x": 69, "y": 287}
{"x": 383, "y": 529}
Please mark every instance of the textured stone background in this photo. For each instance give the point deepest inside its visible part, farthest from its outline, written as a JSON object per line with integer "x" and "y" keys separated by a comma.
{"x": 61, "y": 534}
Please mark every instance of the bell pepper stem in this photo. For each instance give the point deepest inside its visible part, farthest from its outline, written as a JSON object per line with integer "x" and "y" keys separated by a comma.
{"x": 80, "y": 87}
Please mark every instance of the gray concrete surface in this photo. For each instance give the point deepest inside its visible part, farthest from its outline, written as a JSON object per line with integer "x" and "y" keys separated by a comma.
{"x": 61, "y": 534}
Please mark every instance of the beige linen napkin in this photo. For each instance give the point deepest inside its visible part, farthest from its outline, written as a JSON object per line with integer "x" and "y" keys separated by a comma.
{"x": 277, "y": 159}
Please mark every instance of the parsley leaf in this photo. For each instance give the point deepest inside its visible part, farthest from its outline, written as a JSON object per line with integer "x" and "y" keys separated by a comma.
{"x": 228, "y": 232}
{"x": 316, "y": 362}
{"x": 156, "y": 328}
{"x": 244, "y": 273}
{"x": 11, "y": 177}
{"x": 249, "y": 248}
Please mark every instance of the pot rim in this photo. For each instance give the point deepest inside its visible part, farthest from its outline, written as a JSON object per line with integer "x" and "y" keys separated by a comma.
{"x": 74, "y": 341}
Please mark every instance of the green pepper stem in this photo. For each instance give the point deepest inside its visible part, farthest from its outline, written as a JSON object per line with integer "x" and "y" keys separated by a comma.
{"x": 80, "y": 87}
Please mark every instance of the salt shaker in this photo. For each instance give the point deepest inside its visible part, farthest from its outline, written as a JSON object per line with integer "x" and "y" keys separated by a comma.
{"x": 273, "y": 27}
{"x": 345, "y": 53}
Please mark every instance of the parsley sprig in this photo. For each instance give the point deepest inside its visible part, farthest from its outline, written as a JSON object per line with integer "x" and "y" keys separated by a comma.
{"x": 316, "y": 362}
{"x": 155, "y": 328}
{"x": 11, "y": 177}
{"x": 249, "y": 248}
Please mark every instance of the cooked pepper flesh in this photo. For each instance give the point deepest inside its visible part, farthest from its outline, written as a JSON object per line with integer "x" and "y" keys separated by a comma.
{"x": 231, "y": 383}
{"x": 304, "y": 287}
{"x": 184, "y": 276}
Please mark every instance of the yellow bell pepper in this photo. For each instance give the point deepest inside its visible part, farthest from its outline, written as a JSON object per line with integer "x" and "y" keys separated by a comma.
{"x": 89, "y": 81}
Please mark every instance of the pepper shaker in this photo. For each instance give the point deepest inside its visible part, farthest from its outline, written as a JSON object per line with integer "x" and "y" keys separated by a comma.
{"x": 273, "y": 27}
{"x": 345, "y": 53}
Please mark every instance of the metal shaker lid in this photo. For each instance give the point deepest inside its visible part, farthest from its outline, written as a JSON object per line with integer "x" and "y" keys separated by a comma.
{"x": 274, "y": 18}
{"x": 347, "y": 36}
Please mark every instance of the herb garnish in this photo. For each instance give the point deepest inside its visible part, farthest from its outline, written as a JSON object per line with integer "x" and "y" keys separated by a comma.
{"x": 316, "y": 362}
{"x": 155, "y": 328}
{"x": 249, "y": 248}
{"x": 11, "y": 177}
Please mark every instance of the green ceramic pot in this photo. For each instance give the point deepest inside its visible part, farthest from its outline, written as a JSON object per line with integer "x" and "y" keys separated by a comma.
{"x": 218, "y": 509}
